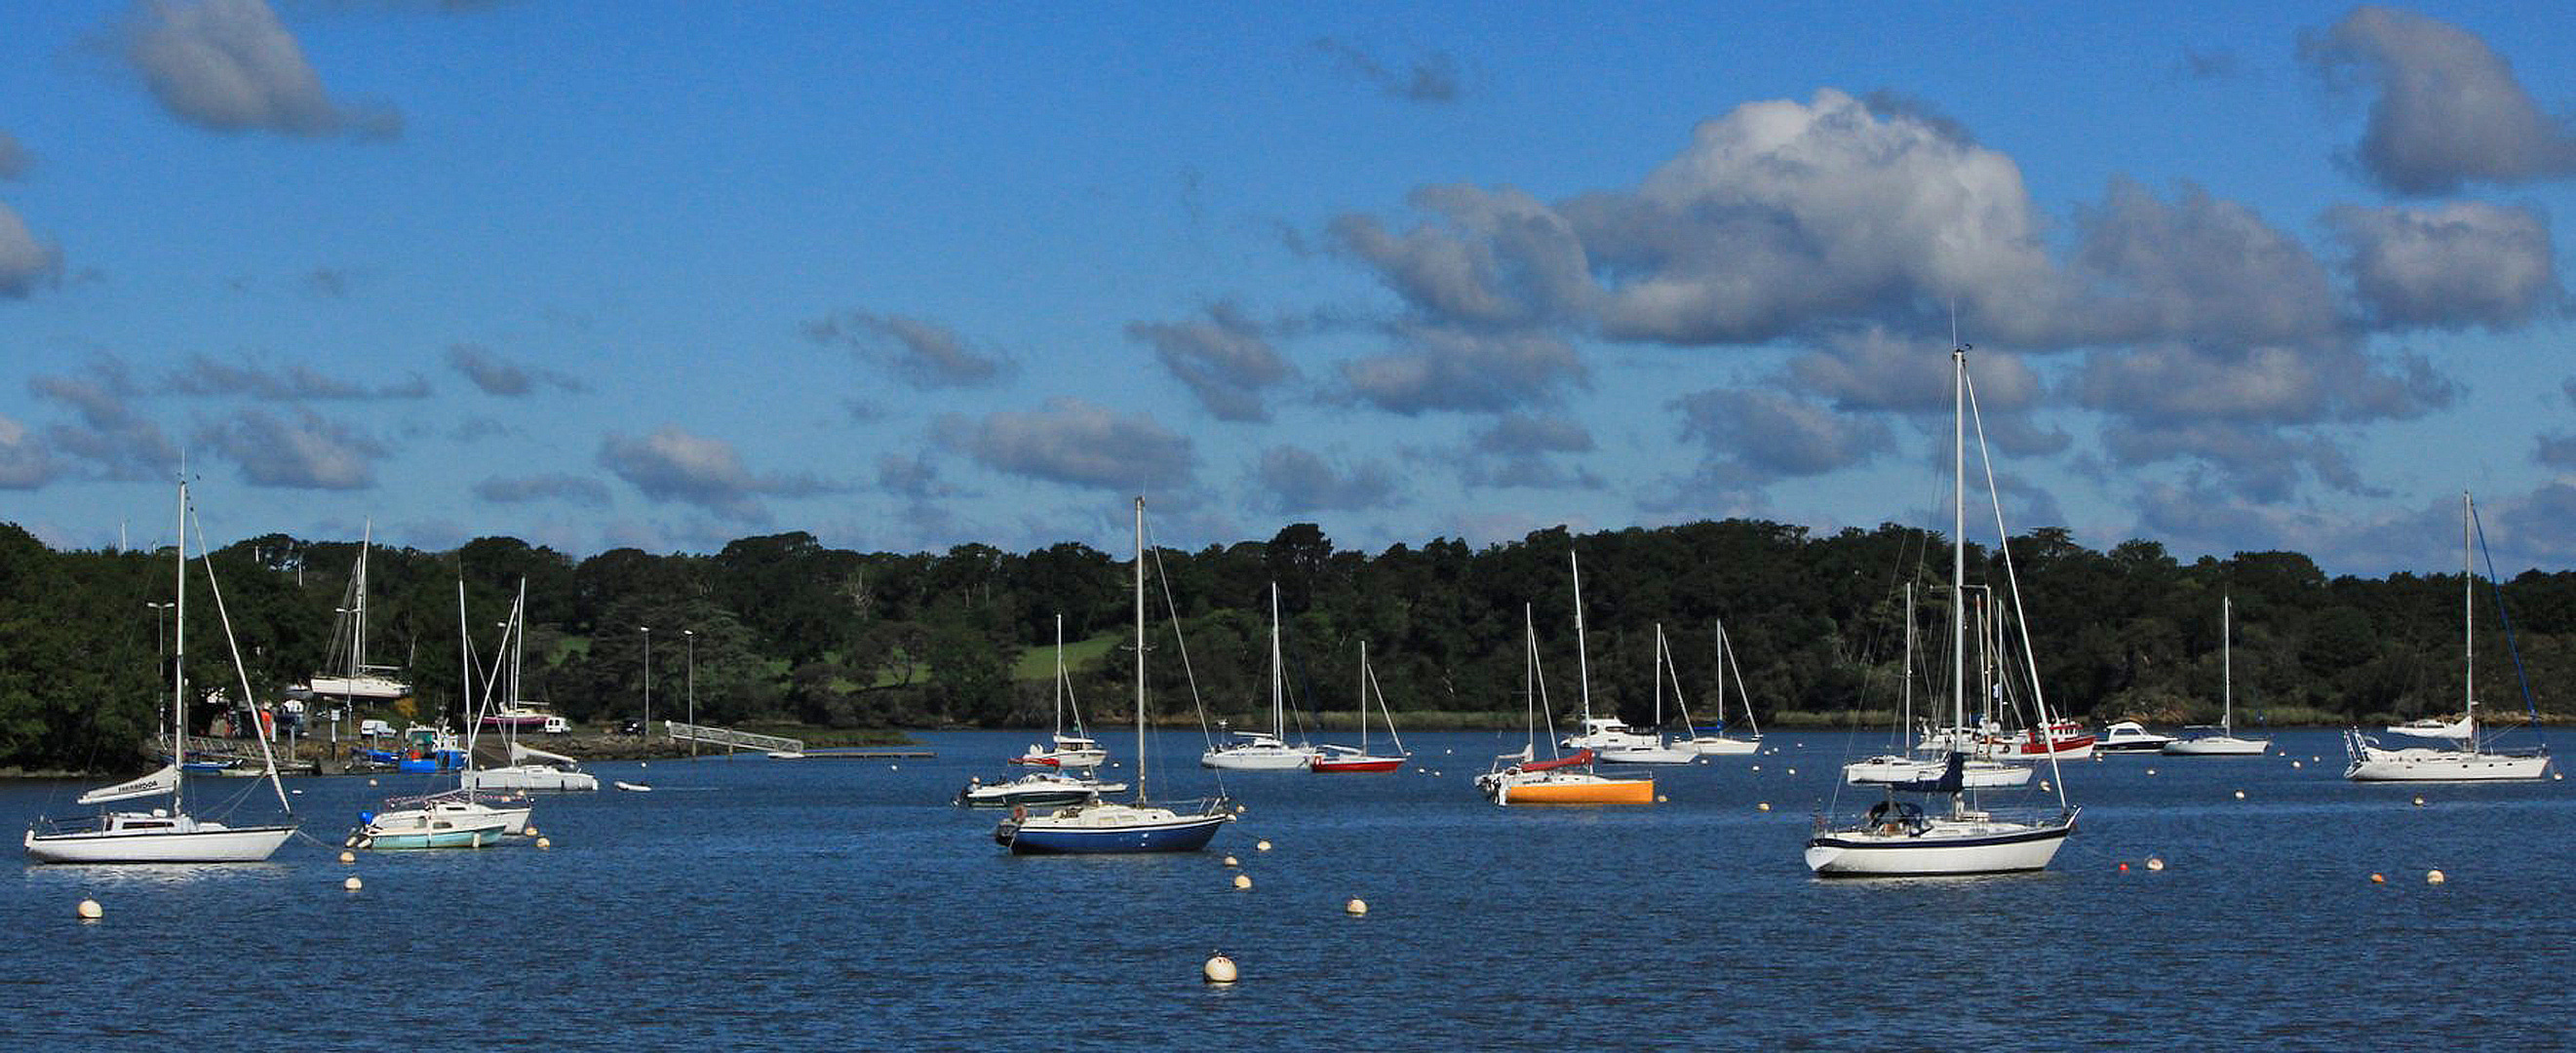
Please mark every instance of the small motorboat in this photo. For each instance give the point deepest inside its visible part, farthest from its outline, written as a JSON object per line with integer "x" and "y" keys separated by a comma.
{"x": 2128, "y": 736}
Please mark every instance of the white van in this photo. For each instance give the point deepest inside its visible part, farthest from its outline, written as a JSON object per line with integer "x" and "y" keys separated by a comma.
{"x": 558, "y": 726}
{"x": 372, "y": 728}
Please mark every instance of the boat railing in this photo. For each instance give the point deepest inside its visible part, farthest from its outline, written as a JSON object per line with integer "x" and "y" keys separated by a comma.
{"x": 79, "y": 824}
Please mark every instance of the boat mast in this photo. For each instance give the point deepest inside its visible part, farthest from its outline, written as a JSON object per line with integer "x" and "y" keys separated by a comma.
{"x": 1140, "y": 648}
{"x": 179, "y": 668}
{"x": 2227, "y": 666}
{"x": 1364, "y": 693}
{"x": 2468, "y": 625}
{"x": 1659, "y": 678}
{"x": 1529, "y": 682}
{"x": 1278, "y": 712}
{"x": 1907, "y": 665}
{"x": 1582, "y": 659}
{"x": 1958, "y": 546}
{"x": 1059, "y": 675}
{"x": 358, "y": 630}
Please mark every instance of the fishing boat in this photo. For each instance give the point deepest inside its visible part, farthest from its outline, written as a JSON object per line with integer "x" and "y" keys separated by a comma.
{"x": 166, "y": 834}
{"x": 1034, "y": 789}
{"x": 2129, "y": 736}
{"x": 2471, "y": 760}
{"x": 1064, "y": 751}
{"x": 2225, "y": 743}
{"x": 1264, "y": 750}
{"x": 1332, "y": 759}
{"x": 1898, "y": 837}
{"x": 1886, "y": 768}
{"x": 356, "y": 679}
{"x": 1661, "y": 751}
{"x": 1109, "y": 827}
{"x": 1521, "y": 778}
{"x": 1713, "y": 741}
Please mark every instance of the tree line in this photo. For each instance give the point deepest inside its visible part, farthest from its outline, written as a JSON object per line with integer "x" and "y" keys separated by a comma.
{"x": 784, "y": 629}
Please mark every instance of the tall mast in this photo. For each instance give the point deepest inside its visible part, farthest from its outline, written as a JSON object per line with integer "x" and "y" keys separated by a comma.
{"x": 179, "y": 666}
{"x": 1582, "y": 659}
{"x": 1364, "y": 693}
{"x": 1906, "y": 728}
{"x": 1278, "y": 712}
{"x": 2468, "y": 623}
{"x": 358, "y": 632}
{"x": 1059, "y": 674}
{"x": 1659, "y": 677}
{"x": 2227, "y": 665}
{"x": 1959, "y": 536}
{"x": 1529, "y": 680}
{"x": 1140, "y": 648}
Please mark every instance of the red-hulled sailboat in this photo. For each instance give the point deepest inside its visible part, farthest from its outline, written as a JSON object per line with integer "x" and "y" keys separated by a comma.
{"x": 1345, "y": 760}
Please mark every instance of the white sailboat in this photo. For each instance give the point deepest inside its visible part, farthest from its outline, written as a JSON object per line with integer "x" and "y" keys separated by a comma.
{"x": 2470, "y": 760}
{"x": 1111, "y": 827}
{"x": 1714, "y": 741}
{"x": 529, "y": 768}
{"x": 1265, "y": 750}
{"x": 1065, "y": 751}
{"x": 1886, "y": 768}
{"x": 1661, "y": 751}
{"x": 1897, "y": 837}
{"x": 2226, "y": 743}
{"x": 1522, "y": 778}
{"x": 167, "y": 834}
{"x": 359, "y": 680}
{"x": 1331, "y": 759}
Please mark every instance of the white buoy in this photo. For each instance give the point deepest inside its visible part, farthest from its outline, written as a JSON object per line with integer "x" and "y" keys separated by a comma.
{"x": 532, "y": 832}
{"x": 2151, "y": 771}
{"x": 2557, "y": 775}
{"x": 89, "y": 910}
{"x": 371, "y": 782}
{"x": 1448, "y": 752}
{"x": 543, "y": 843}
{"x": 347, "y": 856}
{"x": 643, "y": 764}
{"x": 2155, "y": 863}
{"x": 2294, "y": 764}
{"x": 353, "y": 884}
{"x": 1793, "y": 771}
{"x": 1661, "y": 799}
{"x": 1240, "y": 809}
{"x": 1233, "y": 862}
{"x": 894, "y": 767}
{"x": 2419, "y": 800}
{"x": 1219, "y": 970}
{"x": 1358, "y": 906}
{"x": 2240, "y": 795}
{"x": 1261, "y": 845}
{"x": 2316, "y": 760}
{"x": 2043, "y": 786}
{"x": 1243, "y": 882}
{"x": 1764, "y": 806}
{"x": 2434, "y": 877}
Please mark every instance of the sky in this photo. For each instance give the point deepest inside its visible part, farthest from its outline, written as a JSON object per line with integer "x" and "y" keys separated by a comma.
{"x": 911, "y": 276}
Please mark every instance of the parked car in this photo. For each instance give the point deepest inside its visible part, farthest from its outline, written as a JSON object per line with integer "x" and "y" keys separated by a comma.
{"x": 558, "y": 726}
{"x": 372, "y": 728}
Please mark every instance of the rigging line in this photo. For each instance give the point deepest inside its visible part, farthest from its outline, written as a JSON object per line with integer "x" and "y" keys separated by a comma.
{"x": 239, "y": 670}
{"x": 1163, "y": 581}
{"x": 2021, "y": 619}
{"x": 2495, "y": 588}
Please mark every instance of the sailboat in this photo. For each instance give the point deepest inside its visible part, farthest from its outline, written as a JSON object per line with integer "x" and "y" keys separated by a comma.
{"x": 359, "y": 680}
{"x": 1333, "y": 759}
{"x": 1522, "y": 778}
{"x": 1062, "y": 750}
{"x": 1264, "y": 750}
{"x": 2471, "y": 760}
{"x": 166, "y": 834}
{"x": 1097, "y": 828}
{"x": 1899, "y": 837}
{"x": 1892, "y": 768}
{"x": 1713, "y": 741}
{"x": 2225, "y": 743}
{"x": 529, "y": 768}
{"x": 1661, "y": 751}
{"x": 457, "y": 818}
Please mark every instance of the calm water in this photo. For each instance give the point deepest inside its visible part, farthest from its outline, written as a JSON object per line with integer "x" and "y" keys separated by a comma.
{"x": 840, "y": 904}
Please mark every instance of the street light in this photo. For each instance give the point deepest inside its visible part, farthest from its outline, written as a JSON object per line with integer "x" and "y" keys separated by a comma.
{"x": 647, "y": 730}
{"x": 692, "y": 636}
{"x": 160, "y": 633}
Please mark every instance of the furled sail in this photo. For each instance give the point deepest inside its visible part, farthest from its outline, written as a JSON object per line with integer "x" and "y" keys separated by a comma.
{"x": 160, "y": 782}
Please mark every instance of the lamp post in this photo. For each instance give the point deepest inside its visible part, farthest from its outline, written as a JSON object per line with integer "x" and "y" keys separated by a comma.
{"x": 647, "y": 730}
{"x": 692, "y": 636}
{"x": 160, "y": 629}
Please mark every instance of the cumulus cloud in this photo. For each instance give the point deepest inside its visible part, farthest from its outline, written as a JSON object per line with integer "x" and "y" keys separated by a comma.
{"x": 110, "y": 436}
{"x": 499, "y": 376}
{"x": 1292, "y": 481}
{"x": 26, "y": 261}
{"x": 203, "y": 376}
{"x": 570, "y": 489}
{"x": 1875, "y": 369}
{"x": 1519, "y": 449}
{"x": 911, "y": 476}
{"x": 1225, "y": 360}
{"x": 1069, "y": 440}
{"x": 2195, "y": 268}
{"x": 2449, "y": 109}
{"x": 24, "y": 464}
{"x": 2451, "y": 265}
{"x": 1437, "y": 368}
{"x": 1755, "y": 436}
{"x": 231, "y": 66}
{"x": 14, "y": 158}
{"x": 307, "y": 453}
{"x": 673, "y": 465}
{"x": 923, "y": 354}
{"x": 2251, "y": 413}
{"x": 1430, "y": 79}
{"x": 1496, "y": 257}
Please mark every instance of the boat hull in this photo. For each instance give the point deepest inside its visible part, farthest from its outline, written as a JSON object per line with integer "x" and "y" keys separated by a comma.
{"x": 249, "y": 844}
{"x": 2217, "y": 746}
{"x": 531, "y": 777}
{"x": 1255, "y": 760}
{"x": 1354, "y": 765}
{"x": 2434, "y": 765}
{"x": 1598, "y": 791}
{"x": 1647, "y": 755}
{"x": 441, "y": 837}
{"x": 1132, "y": 831}
{"x": 1975, "y": 775}
{"x": 1720, "y": 746}
{"x": 1946, "y": 850}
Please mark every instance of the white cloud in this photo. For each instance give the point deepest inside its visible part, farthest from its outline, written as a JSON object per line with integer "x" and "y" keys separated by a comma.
{"x": 2450, "y": 265}
{"x": 1073, "y": 441}
{"x": 2449, "y": 111}
{"x": 231, "y": 66}
{"x": 307, "y": 453}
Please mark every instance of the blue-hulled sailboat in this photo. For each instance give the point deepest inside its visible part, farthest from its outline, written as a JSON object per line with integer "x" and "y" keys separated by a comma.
{"x": 1106, "y": 827}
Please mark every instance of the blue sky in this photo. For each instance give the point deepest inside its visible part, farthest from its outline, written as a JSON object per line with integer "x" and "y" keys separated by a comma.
{"x": 665, "y": 275}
